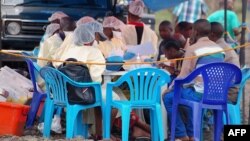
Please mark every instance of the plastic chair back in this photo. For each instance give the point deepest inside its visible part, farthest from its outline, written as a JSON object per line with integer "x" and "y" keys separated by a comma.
{"x": 33, "y": 70}
{"x": 245, "y": 76}
{"x": 217, "y": 78}
{"x": 55, "y": 85}
{"x": 56, "y": 88}
{"x": 37, "y": 95}
{"x": 144, "y": 83}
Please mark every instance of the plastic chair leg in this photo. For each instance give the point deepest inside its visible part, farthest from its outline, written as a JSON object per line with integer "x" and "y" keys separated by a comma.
{"x": 218, "y": 115}
{"x": 125, "y": 122}
{"x": 173, "y": 121}
{"x": 70, "y": 121}
{"x": 153, "y": 125}
{"x": 107, "y": 122}
{"x": 34, "y": 108}
{"x": 103, "y": 121}
{"x": 49, "y": 110}
{"x": 159, "y": 122}
{"x": 80, "y": 128}
{"x": 197, "y": 121}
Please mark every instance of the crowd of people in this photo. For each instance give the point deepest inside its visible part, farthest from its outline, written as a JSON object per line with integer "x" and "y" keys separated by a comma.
{"x": 87, "y": 40}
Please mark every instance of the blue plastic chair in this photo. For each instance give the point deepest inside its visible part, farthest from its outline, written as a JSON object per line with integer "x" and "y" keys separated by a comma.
{"x": 56, "y": 89}
{"x": 37, "y": 95}
{"x": 234, "y": 109}
{"x": 217, "y": 77}
{"x": 145, "y": 91}
{"x": 35, "y": 51}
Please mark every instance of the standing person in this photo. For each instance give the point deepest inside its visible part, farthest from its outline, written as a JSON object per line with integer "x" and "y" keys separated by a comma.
{"x": 232, "y": 18}
{"x": 135, "y": 32}
{"x": 201, "y": 46}
{"x": 166, "y": 32}
{"x": 190, "y": 11}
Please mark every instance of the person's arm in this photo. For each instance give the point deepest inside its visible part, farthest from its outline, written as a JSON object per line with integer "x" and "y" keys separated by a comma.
{"x": 236, "y": 31}
{"x": 96, "y": 71}
{"x": 235, "y": 24}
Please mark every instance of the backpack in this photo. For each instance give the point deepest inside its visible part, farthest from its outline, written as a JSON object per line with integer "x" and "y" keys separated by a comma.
{"x": 78, "y": 73}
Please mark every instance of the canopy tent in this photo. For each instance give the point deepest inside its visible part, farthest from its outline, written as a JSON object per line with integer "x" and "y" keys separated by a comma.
{"x": 156, "y": 5}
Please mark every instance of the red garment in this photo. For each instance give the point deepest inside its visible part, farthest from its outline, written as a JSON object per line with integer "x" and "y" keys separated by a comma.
{"x": 136, "y": 23}
{"x": 133, "y": 119}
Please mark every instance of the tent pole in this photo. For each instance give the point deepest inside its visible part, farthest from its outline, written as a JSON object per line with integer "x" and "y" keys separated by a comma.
{"x": 242, "y": 50}
{"x": 225, "y": 19}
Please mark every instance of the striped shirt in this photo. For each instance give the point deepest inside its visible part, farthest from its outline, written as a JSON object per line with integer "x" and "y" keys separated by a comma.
{"x": 190, "y": 11}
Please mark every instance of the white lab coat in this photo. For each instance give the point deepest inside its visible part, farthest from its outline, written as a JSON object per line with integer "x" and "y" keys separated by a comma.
{"x": 87, "y": 54}
{"x": 59, "y": 52}
{"x": 130, "y": 37}
{"x": 65, "y": 46}
{"x": 49, "y": 48}
{"x": 114, "y": 45}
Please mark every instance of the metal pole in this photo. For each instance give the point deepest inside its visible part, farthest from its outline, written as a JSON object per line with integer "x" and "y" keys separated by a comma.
{"x": 242, "y": 50}
{"x": 1, "y": 33}
{"x": 225, "y": 18}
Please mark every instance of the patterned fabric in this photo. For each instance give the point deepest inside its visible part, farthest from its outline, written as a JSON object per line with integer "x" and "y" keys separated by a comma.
{"x": 190, "y": 11}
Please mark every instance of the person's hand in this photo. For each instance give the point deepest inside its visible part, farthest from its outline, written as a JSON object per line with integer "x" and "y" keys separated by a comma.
{"x": 170, "y": 69}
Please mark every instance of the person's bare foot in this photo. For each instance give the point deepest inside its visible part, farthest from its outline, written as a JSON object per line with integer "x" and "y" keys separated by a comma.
{"x": 113, "y": 138}
{"x": 191, "y": 139}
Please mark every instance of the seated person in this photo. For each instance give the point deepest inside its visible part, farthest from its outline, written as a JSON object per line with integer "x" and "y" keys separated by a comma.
{"x": 231, "y": 56}
{"x": 166, "y": 32}
{"x": 83, "y": 50}
{"x": 114, "y": 45}
{"x": 51, "y": 44}
{"x": 184, "y": 28}
{"x": 69, "y": 40}
{"x": 54, "y": 18}
{"x": 172, "y": 50}
{"x": 201, "y": 30}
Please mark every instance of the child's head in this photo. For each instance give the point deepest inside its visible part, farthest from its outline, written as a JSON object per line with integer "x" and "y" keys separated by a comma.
{"x": 166, "y": 29}
{"x": 171, "y": 48}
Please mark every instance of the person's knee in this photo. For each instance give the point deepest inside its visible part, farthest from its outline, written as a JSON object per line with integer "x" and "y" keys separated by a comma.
{"x": 167, "y": 98}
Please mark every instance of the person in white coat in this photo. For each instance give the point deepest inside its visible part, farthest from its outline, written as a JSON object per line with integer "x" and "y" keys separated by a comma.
{"x": 136, "y": 32}
{"x": 55, "y": 40}
{"x": 113, "y": 45}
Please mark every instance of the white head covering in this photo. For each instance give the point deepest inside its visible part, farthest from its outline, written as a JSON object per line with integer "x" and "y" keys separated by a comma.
{"x": 98, "y": 28}
{"x": 57, "y": 15}
{"x": 85, "y": 19}
{"x": 136, "y": 7}
{"x": 51, "y": 29}
{"x": 113, "y": 22}
{"x": 84, "y": 34}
